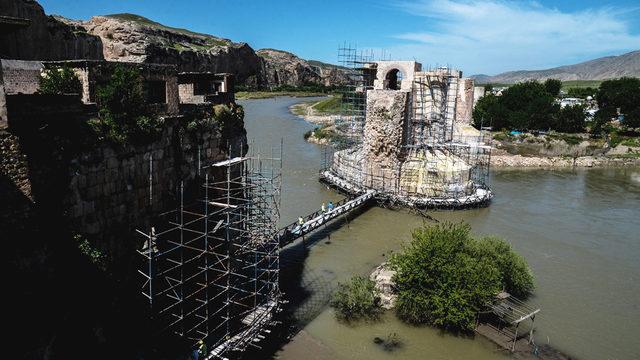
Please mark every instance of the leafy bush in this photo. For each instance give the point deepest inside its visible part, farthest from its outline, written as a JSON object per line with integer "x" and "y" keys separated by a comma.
{"x": 60, "y": 81}
{"x": 94, "y": 255}
{"x": 357, "y": 299}
{"x": 124, "y": 116}
{"x": 445, "y": 276}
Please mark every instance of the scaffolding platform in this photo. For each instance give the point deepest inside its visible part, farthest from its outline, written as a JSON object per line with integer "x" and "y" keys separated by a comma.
{"x": 479, "y": 197}
{"x": 211, "y": 265}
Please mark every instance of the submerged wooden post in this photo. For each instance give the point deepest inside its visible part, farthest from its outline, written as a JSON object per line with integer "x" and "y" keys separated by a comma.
{"x": 533, "y": 321}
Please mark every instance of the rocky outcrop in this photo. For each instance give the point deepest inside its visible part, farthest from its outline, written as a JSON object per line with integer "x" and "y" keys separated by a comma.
{"x": 43, "y": 37}
{"x": 382, "y": 276}
{"x": 133, "y": 38}
{"x": 284, "y": 68}
{"x": 128, "y": 37}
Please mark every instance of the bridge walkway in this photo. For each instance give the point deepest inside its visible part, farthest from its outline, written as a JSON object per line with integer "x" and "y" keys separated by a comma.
{"x": 293, "y": 231}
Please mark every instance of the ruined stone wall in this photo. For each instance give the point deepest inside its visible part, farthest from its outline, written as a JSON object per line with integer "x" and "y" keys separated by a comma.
{"x": 3, "y": 102}
{"x": 185, "y": 92}
{"x": 21, "y": 77}
{"x": 110, "y": 188}
{"x": 407, "y": 68}
{"x": 384, "y": 132}
{"x": 102, "y": 189}
{"x": 478, "y": 92}
{"x": 464, "y": 101}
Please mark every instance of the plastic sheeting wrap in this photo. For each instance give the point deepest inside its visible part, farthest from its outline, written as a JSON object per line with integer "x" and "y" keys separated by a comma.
{"x": 433, "y": 173}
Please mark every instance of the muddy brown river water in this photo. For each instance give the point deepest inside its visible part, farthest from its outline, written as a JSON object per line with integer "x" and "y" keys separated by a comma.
{"x": 578, "y": 229}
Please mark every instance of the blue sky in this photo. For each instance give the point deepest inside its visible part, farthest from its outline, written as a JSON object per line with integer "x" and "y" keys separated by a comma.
{"x": 475, "y": 36}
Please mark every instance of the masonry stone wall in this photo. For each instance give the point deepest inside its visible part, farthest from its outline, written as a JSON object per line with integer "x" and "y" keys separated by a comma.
{"x": 115, "y": 188}
{"x": 104, "y": 190}
{"x": 407, "y": 68}
{"x": 185, "y": 92}
{"x": 384, "y": 132}
{"x": 478, "y": 92}
{"x": 464, "y": 101}
{"x": 3, "y": 102}
{"x": 21, "y": 77}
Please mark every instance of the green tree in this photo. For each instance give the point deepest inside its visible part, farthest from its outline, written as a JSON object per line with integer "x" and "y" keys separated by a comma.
{"x": 570, "y": 119}
{"x": 581, "y": 92}
{"x": 623, "y": 94}
{"x": 445, "y": 276}
{"x": 124, "y": 116}
{"x": 60, "y": 81}
{"x": 529, "y": 106}
{"x": 553, "y": 87}
{"x": 489, "y": 112}
{"x": 356, "y": 299}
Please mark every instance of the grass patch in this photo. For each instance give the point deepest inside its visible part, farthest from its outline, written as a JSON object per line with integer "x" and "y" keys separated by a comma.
{"x": 332, "y": 105}
{"x": 580, "y": 84}
{"x": 568, "y": 138}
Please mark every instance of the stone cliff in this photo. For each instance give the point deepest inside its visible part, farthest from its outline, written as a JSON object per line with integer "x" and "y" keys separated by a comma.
{"x": 284, "y": 68}
{"x": 128, "y": 37}
{"x": 43, "y": 37}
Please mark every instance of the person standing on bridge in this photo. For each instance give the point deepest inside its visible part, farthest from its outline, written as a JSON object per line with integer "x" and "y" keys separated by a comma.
{"x": 300, "y": 221}
{"x": 323, "y": 208}
{"x": 330, "y": 206}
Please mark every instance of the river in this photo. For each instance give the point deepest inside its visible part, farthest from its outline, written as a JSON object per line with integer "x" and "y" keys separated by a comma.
{"x": 578, "y": 229}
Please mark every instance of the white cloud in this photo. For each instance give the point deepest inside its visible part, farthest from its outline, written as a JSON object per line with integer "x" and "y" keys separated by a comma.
{"x": 495, "y": 36}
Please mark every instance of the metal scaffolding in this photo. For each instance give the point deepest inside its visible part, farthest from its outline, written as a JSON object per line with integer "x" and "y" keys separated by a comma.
{"x": 211, "y": 267}
{"x": 360, "y": 69}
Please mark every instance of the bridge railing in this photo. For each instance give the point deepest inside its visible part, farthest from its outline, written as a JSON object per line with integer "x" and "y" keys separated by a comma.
{"x": 295, "y": 230}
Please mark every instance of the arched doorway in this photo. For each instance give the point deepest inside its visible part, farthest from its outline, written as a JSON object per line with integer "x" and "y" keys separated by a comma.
{"x": 393, "y": 79}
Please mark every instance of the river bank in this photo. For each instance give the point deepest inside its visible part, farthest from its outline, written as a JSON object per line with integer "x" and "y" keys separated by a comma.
{"x": 246, "y": 95}
{"x": 519, "y": 161}
{"x": 554, "y": 151}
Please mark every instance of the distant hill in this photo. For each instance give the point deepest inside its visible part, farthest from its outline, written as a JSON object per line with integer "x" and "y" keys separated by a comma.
{"x": 604, "y": 68}
{"x": 285, "y": 68}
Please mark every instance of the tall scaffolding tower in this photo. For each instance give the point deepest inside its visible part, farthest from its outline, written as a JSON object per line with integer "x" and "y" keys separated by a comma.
{"x": 433, "y": 108}
{"x": 211, "y": 267}
{"x": 360, "y": 69}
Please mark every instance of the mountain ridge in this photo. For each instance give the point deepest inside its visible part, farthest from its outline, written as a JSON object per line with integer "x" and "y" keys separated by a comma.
{"x": 603, "y": 68}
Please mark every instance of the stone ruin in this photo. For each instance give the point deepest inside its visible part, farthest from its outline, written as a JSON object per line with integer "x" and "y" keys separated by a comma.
{"x": 417, "y": 146}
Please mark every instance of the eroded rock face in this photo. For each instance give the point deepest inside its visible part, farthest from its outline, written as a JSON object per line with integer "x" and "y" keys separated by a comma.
{"x": 46, "y": 37}
{"x": 383, "y": 130}
{"x": 132, "y": 38}
{"x": 284, "y": 68}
